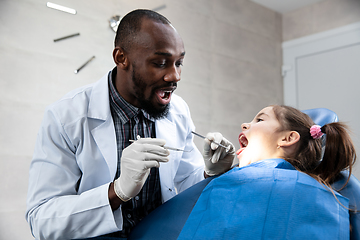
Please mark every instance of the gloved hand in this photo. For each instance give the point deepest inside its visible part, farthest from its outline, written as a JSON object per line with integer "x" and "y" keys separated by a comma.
{"x": 136, "y": 162}
{"x": 217, "y": 159}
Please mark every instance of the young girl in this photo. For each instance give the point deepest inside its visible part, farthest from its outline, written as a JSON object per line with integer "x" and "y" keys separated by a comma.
{"x": 282, "y": 188}
{"x": 285, "y": 132}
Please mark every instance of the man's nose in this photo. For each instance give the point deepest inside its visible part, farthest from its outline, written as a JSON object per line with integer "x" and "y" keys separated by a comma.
{"x": 173, "y": 75}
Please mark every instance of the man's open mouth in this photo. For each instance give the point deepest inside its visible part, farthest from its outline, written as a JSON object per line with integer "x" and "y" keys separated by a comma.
{"x": 164, "y": 94}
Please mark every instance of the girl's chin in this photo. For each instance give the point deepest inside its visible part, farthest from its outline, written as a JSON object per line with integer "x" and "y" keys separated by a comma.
{"x": 246, "y": 161}
{"x": 243, "y": 163}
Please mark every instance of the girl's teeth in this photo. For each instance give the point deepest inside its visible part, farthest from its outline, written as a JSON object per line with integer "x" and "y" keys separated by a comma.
{"x": 243, "y": 141}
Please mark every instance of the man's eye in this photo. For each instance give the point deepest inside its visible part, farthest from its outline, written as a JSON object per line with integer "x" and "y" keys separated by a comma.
{"x": 160, "y": 64}
{"x": 178, "y": 64}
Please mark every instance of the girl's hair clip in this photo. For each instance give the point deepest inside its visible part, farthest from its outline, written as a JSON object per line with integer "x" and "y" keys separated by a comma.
{"x": 316, "y": 132}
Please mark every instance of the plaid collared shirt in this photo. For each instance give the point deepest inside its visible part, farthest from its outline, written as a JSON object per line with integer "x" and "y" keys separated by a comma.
{"x": 130, "y": 122}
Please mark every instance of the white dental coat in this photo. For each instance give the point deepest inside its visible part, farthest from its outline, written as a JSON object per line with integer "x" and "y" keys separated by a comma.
{"x": 75, "y": 160}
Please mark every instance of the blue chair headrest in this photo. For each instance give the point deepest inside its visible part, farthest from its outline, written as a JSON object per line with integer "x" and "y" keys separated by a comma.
{"x": 322, "y": 116}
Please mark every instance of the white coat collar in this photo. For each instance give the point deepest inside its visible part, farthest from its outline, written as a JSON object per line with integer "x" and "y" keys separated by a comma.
{"x": 103, "y": 131}
{"x": 99, "y": 105}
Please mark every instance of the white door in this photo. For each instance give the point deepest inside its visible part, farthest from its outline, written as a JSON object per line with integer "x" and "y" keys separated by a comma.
{"x": 323, "y": 70}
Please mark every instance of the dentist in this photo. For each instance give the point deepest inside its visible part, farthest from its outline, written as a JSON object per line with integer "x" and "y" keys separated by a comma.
{"x": 87, "y": 180}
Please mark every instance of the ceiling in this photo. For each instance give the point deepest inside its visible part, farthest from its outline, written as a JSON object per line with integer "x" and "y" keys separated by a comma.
{"x": 284, "y": 6}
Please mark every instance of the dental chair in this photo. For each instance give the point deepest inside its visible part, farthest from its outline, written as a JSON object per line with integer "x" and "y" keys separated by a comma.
{"x": 322, "y": 116}
{"x": 168, "y": 220}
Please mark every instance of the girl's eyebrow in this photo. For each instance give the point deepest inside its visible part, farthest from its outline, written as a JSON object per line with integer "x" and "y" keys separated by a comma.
{"x": 261, "y": 114}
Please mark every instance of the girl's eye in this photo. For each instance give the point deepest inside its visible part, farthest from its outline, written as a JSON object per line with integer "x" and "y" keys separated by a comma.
{"x": 259, "y": 120}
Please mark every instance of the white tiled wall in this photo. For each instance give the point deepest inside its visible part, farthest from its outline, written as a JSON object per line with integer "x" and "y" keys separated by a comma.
{"x": 231, "y": 71}
{"x": 322, "y": 16}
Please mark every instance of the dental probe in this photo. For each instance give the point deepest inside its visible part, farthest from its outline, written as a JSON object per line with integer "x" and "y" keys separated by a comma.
{"x": 196, "y": 134}
{"x": 166, "y": 147}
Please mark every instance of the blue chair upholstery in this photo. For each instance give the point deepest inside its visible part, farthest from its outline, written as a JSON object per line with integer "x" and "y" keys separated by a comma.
{"x": 167, "y": 221}
{"x": 322, "y": 116}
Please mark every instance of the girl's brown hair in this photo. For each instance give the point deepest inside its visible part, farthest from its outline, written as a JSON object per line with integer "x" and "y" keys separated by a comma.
{"x": 339, "y": 151}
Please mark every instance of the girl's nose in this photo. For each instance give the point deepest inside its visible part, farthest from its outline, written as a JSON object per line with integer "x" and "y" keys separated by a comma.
{"x": 245, "y": 126}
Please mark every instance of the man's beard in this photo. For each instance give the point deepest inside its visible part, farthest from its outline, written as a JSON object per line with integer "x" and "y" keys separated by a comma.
{"x": 146, "y": 104}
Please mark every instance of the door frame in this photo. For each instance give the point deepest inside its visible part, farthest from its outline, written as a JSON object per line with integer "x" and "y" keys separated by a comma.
{"x": 321, "y": 42}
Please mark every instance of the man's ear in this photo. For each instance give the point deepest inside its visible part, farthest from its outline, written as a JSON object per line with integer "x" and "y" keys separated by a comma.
{"x": 120, "y": 58}
{"x": 289, "y": 139}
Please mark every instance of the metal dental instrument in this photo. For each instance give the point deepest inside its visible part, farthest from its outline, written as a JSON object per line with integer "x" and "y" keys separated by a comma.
{"x": 196, "y": 134}
{"x": 166, "y": 147}
{"x": 77, "y": 70}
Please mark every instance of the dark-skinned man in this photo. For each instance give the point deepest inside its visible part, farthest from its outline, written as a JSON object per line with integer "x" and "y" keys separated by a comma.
{"x": 100, "y": 164}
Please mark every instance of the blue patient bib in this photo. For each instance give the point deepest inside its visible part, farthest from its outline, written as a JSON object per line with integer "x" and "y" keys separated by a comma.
{"x": 268, "y": 199}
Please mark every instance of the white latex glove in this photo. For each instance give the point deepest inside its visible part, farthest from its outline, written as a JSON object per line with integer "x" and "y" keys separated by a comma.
{"x": 217, "y": 159}
{"x": 136, "y": 162}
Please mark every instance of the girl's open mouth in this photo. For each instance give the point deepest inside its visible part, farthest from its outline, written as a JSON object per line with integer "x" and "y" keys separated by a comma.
{"x": 243, "y": 140}
{"x": 243, "y": 143}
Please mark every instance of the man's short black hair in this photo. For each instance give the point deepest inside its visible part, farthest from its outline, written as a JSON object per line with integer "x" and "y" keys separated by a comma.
{"x": 130, "y": 25}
